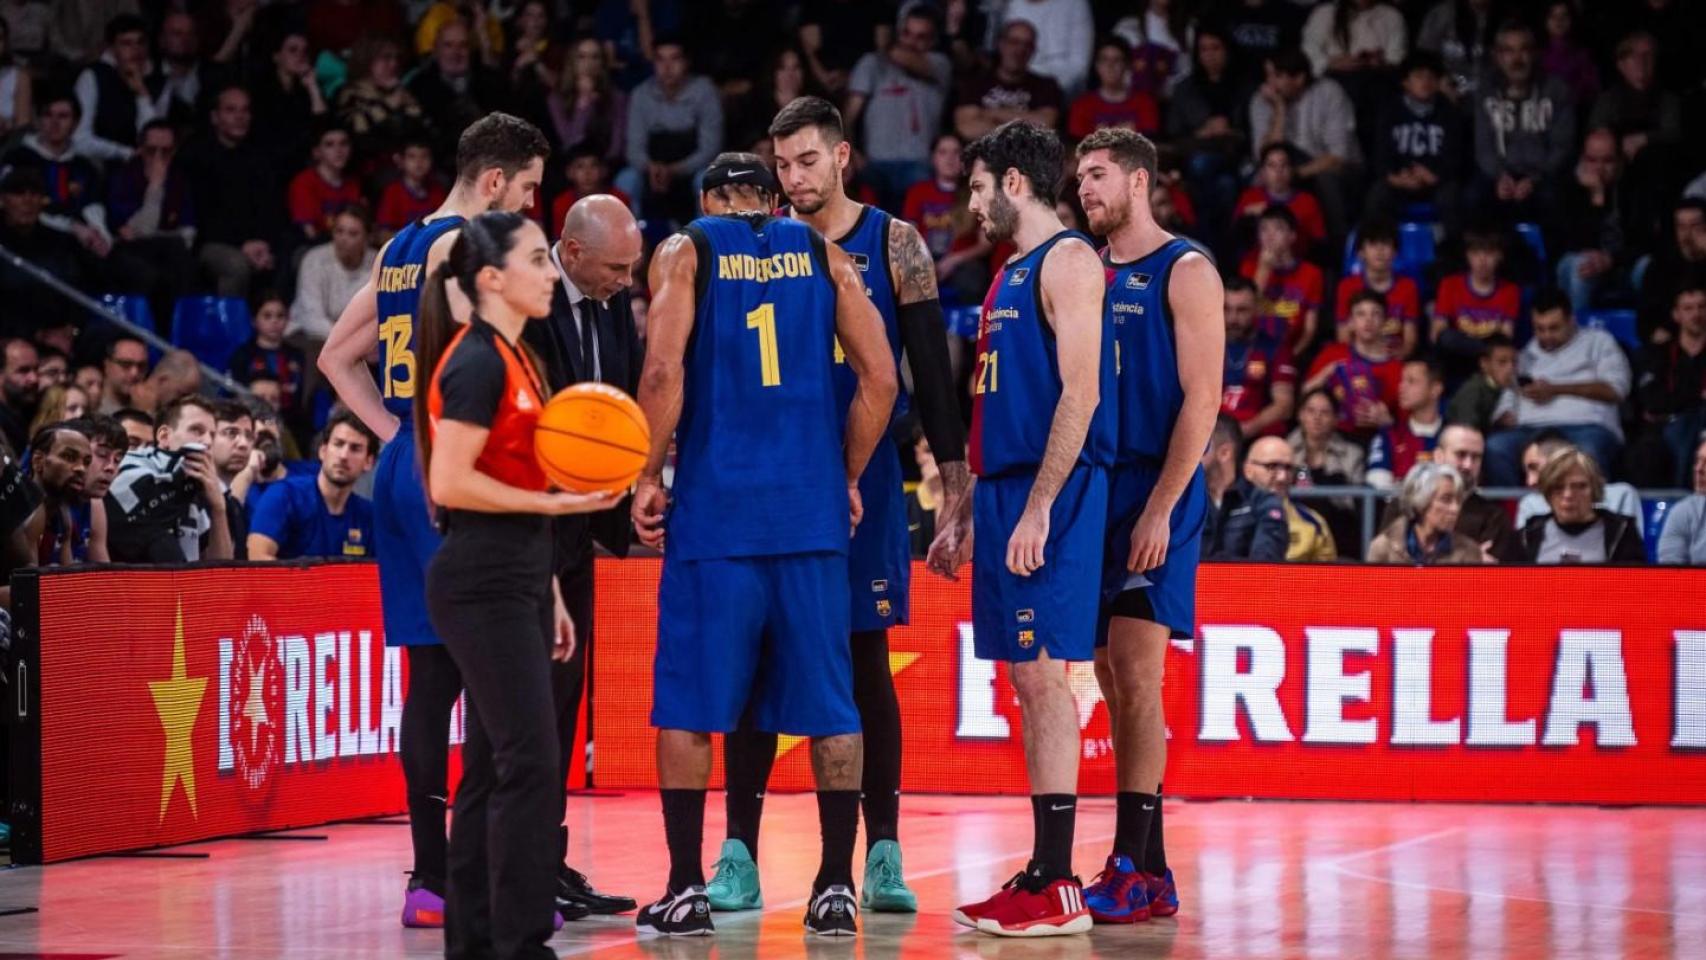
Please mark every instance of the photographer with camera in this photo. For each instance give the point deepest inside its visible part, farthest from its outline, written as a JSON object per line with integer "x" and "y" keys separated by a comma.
{"x": 167, "y": 504}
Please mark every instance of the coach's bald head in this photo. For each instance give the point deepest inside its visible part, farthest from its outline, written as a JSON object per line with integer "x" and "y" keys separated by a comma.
{"x": 601, "y": 246}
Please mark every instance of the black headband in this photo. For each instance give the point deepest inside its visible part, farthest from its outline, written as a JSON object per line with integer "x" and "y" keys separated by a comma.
{"x": 724, "y": 172}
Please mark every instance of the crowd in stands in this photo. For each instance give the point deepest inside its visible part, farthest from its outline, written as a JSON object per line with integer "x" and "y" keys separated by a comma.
{"x": 1453, "y": 232}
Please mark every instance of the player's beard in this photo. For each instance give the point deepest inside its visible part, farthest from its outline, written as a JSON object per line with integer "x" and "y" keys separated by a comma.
{"x": 1107, "y": 218}
{"x": 815, "y": 201}
{"x": 1002, "y": 219}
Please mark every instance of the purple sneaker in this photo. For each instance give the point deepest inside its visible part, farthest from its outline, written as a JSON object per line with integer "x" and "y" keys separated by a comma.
{"x": 422, "y": 907}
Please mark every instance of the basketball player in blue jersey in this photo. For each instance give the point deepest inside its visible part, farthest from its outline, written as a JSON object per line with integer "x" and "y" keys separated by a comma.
{"x": 1165, "y": 308}
{"x": 753, "y": 605}
{"x": 499, "y": 162}
{"x": 1041, "y": 444}
{"x": 900, "y": 278}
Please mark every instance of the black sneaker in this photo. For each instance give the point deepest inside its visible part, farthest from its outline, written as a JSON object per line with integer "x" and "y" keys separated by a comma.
{"x": 574, "y": 890}
{"x": 833, "y": 912}
{"x": 684, "y": 914}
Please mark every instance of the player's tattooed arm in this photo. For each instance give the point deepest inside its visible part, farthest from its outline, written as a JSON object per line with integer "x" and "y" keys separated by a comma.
{"x": 910, "y": 265}
{"x": 925, "y": 337}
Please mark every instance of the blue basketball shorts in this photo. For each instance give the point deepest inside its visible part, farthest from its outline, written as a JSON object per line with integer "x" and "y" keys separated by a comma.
{"x": 1169, "y": 592}
{"x": 406, "y": 540}
{"x": 767, "y": 632}
{"x": 879, "y": 562}
{"x": 1016, "y": 618}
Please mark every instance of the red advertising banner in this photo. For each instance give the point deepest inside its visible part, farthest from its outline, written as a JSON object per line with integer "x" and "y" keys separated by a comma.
{"x": 1559, "y": 684}
{"x": 182, "y": 704}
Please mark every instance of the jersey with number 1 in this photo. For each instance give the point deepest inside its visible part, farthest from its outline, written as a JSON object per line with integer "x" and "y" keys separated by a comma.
{"x": 402, "y": 277}
{"x": 759, "y": 464}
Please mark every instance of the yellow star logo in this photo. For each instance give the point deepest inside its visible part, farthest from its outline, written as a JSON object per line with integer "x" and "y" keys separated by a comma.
{"x": 177, "y": 700}
{"x": 898, "y": 661}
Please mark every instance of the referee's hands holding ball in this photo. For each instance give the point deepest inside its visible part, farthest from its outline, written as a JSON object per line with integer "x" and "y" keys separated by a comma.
{"x": 558, "y": 503}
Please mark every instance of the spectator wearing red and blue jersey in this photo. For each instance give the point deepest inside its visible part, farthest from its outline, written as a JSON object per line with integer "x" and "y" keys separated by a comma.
{"x": 1397, "y": 448}
{"x": 319, "y": 192}
{"x": 1276, "y": 185}
{"x": 266, "y": 353}
{"x": 1472, "y": 306}
{"x": 1259, "y": 383}
{"x": 1290, "y": 289}
{"x": 1362, "y": 375}
{"x": 1115, "y": 100}
{"x": 1377, "y": 248}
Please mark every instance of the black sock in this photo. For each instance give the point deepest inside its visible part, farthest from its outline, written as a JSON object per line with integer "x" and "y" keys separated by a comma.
{"x": 1155, "y": 854}
{"x": 1058, "y": 813}
{"x": 838, "y": 818}
{"x": 1036, "y": 829}
{"x": 748, "y": 756}
{"x": 879, "y": 715}
{"x": 684, "y": 829}
{"x": 1136, "y": 812}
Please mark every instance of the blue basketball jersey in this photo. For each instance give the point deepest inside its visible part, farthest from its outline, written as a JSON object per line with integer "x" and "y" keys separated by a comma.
{"x": 402, "y": 273}
{"x": 867, "y": 245}
{"x": 1148, "y": 395}
{"x": 759, "y": 466}
{"x": 1016, "y": 383}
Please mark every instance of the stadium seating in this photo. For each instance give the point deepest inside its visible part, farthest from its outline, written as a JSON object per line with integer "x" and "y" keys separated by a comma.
{"x": 1618, "y": 323}
{"x": 211, "y": 327}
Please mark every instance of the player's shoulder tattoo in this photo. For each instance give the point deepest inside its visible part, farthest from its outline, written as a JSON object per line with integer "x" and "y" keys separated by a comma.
{"x": 914, "y": 269}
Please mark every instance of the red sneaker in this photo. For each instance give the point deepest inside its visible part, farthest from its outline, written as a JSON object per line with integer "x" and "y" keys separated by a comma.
{"x": 971, "y": 913}
{"x": 1163, "y": 896}
{"x": 1039, "y": 908}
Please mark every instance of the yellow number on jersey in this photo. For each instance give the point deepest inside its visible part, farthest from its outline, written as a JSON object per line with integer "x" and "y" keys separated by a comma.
{"x": 399, "y": 372}
{"x": 988, "y": 372}
{"x": 769, "y": 365}
{"x": 840, "y": 354}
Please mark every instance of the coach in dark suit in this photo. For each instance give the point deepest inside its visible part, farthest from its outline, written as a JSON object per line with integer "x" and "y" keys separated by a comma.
{"x": 589, "y": 337}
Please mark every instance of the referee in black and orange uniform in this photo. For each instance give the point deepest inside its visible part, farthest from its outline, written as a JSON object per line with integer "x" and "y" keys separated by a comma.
{"x": 489, "y": 588}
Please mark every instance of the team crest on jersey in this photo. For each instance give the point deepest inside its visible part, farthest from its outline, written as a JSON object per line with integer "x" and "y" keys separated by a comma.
{"x": 1018, "y": 276}
{"x": 884, "y": 608}
{"x": 879, "y": 586}
{"x": 1255, "y": 369}
{"x": 521, "y": 400}
{"x": 859, "y": 260}
{"x": 1027, "y": 639}
{"x": 1137, "y": 281}
{"x": 1026, "y": 615}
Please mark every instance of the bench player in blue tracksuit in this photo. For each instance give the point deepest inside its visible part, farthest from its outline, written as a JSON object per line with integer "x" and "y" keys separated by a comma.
{"x": 900, "y": 278}
{"x": 753, "y": 604}
{"x": 1165, "y": 309}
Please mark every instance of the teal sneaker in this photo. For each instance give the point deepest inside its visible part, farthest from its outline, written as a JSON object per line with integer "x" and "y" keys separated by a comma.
{"x": 735, "y": 884}
{"x": 885, "y": 889}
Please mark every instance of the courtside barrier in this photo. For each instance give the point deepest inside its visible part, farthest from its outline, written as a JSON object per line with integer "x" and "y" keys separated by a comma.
{"x": 1536, "y": 684}
{"x": 155, "y": 706}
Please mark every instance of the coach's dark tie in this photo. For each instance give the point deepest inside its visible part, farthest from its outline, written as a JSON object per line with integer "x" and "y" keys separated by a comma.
{"x": 589, "y": 353}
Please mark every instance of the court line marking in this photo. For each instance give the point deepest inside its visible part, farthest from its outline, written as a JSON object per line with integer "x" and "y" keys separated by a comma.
{"x": 1338, "y": 866}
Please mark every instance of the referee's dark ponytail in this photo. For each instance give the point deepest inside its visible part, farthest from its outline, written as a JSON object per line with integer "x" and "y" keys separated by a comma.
{"x": 482, "y": 242}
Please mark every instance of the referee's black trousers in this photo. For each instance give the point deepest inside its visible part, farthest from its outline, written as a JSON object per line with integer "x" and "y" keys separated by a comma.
{"x": 489, "y": 596}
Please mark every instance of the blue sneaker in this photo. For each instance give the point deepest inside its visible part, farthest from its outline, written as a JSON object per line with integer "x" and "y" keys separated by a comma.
{"x": 734, "y": 885}
{"x": 1163, "y": 896}
{"x": 1119, "y": 894}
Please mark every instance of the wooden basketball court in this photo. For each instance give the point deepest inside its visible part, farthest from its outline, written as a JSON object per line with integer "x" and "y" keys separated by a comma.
{"x": 1309, "y": 880}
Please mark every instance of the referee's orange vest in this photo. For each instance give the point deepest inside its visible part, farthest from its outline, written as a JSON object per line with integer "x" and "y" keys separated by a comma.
{"x": 508, "y": 455}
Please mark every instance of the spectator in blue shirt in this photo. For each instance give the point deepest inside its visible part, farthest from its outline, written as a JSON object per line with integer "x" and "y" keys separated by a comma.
{"x": 320, "y": 516}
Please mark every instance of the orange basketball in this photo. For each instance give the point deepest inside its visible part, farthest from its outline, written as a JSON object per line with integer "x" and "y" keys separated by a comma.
{"x": 592, "y": 437}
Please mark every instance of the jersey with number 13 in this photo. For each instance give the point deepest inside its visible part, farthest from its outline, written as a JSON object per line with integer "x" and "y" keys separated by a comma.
{"x": 402, "y": 276}
{"x": 759, "y": 463}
